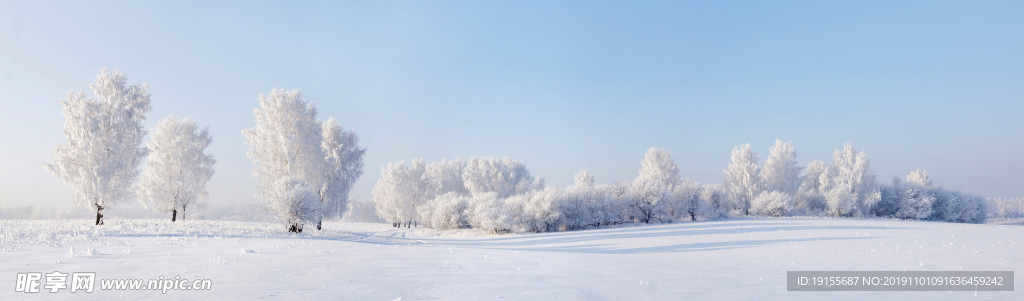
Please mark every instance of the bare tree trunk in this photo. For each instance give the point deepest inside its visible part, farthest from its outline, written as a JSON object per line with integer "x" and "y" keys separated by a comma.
{"x": 99, "y": 215}
{"x": 174, "y": 214}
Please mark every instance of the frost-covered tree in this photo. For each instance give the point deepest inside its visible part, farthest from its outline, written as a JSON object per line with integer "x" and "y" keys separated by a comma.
{"x": 289, "y": 143}
{"x": 100, "y": 161}
{"x": 445, "y": 177}
{"x": 505, "y": 177}
{"x": 742, "y": 178}
{"x": 342, "y": 166}
{"x": 175, "y": 175}
{"x": 810, "y": 198}
{"x": 400, "y": 190}
{"x": 851, "y": 173}
{"x": 781, "y": 172}
{"x": 584, "y": 179}
{"x": 659, "y": 167}
{"x": 919, "y": 177}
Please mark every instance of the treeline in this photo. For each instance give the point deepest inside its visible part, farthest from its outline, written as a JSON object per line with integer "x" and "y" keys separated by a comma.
{"x": 500, "y": 195}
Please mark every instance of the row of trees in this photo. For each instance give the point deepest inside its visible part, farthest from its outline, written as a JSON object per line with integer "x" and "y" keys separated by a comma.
{"x": 100, "y": 161}
{"x": 304, "y": 167}
{"x": 500, "y": 195}
{"x": 846, "y": 187}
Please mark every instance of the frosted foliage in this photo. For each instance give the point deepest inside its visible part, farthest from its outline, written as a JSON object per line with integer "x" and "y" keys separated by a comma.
{"x": 400, "y": 191}
{"x": 293, "y": 201}
{"x": 505, "y": 177}
{"x": 781, "y": 172}
{"x": 919, "y": 177}
{"x": 584, "y": 179}
{"x": 659, "y": 167}
{"x": 176, "y": 173}
{"x": 1008, "y": 207}
{"x": 342, "y": 167}
{"x": 772, "y": 203}
{"x": 289, "y": 142}
{"x": 445, "y": 177}
{"x": 915, "y": 204}
{"x": 445, "y": 212}
{"x": 851, "y": 172}
{"x": 810, "y": 198}
{"x": 742, "y": 178}
{"x": 840, "y": 201}
{"x": 104, "y": 141}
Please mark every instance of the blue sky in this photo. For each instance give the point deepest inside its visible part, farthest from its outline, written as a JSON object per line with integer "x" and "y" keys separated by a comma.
{"x": 559, "y": 85}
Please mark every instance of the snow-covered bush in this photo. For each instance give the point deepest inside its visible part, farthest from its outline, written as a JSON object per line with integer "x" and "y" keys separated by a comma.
{"x": 1007, "y": 207}
{"x": 772, "y": 203}
{"x": 175, "y": 176}
{"x": 840, "y": 201}
{"x": 958, "y": 207}
{"x": 488, "y": 212}
{"x": 100, "y": 161}
{"x": 445, "y": 212}
{"x": 293, "y": 201}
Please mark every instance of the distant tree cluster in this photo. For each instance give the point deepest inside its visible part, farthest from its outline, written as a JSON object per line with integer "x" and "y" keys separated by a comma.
{"x": 500, "y": 195}
{"x": 845, "y": 188}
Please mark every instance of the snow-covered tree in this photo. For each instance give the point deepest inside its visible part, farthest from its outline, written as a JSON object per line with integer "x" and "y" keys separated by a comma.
{"x": 810, "y": 198}
{"x": 742, "y": 178}
{"x": 919, "y": 177}
{"x": 659, "y": 167}
{"x": 505, "y": 177}
{"x": 100, "y": 161}
{"x": 288, "y": 142}
{"x": 175, "y": 176}
{"x": 584, "y": 179}
{"x": 400, "y": 190}
{"x": 342, "y": 167}
{"x": 445, "y": 177}
{"x": 781, "y": 172}
{"x": 851, "y": 172}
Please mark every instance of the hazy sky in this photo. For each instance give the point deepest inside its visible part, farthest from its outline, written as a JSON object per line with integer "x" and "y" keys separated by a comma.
{"x": 558, "y": 85}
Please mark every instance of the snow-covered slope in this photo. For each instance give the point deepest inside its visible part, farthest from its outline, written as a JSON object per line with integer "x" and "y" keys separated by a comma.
{"x": 720, "y": 260}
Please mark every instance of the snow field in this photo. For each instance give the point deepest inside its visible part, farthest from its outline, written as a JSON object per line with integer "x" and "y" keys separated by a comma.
{"x": 724, "y": 260}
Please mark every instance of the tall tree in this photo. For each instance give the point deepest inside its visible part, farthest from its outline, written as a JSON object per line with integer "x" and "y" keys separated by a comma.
{"x": 175, "y": 176}
{"x": 851, "y": 185}
{"x": 342, "y": 167}
{"x": 104, "y": 136}
{"x": 742, "y": 178}
{"x": 285, "y": 147}
{"x": 781, "y": 172}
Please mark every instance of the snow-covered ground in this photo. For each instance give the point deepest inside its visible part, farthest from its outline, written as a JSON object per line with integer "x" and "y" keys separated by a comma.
{"x": 718, "y": 260}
